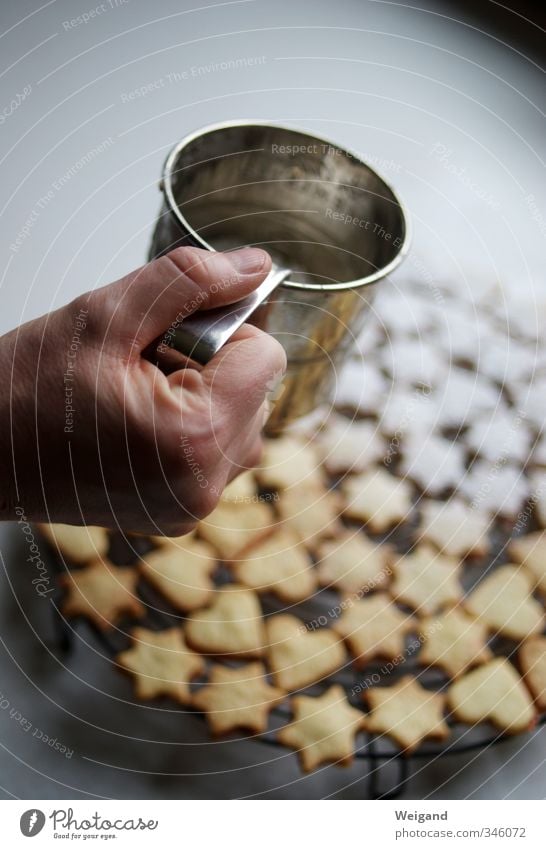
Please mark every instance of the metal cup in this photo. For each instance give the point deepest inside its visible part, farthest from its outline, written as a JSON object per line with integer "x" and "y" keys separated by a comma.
{"x": 318, "y": 210}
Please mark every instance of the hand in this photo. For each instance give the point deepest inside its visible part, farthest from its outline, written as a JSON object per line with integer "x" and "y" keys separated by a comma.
{"x": 96, "y": 427}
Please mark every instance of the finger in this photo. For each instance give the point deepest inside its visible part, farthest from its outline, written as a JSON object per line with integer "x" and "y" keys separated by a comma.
{"x": 238, "y": 379}
{"x": 151, "y": 301}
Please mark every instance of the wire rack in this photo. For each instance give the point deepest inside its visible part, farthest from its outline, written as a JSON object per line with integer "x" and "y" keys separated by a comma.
{"x": 389, "y": 770}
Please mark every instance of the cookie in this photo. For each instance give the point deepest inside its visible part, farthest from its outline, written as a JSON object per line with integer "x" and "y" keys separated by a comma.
{"x": 312, "y": 513}
{"x": 236, "y": 699}
{"x": 413, "y": 361}
{"x": 352, "y": 563}
{"x": 532, "y": 662}
{"x": 102, "y": 593}
{"x": 454, "y": 528}
{"x": 426, "y": 580}
{"x": 279, "y": 564}
{"x": 493, "y": 693}
{"x": 161, "y": 664}
{"x": 499, "y": 436}
{"x": 242, "y": 489}
{"x": 404, "y": 410}
{"x": 498, "y": 489}
{"x": 374, "y": 627}
{"x": 454, "y": 641}
{"x": 233, "y": 527}
{"x": 360, "y": 386}
{"x": 323, "y": 729}
{"x": 530, "y": 551}
{"x": 376, "y": 499}
{"x": 407, "y": 713}
{"x": 77, "y": 544}
{"x": 433, "y": 463}
{"x": 298, "y": 657}
{"x": 503, "y": 601}
{"x": 231, "y": 626}
{"x": 464, "y": 395}
{"x": 181, "y": 572}
{"x": 347, "y": 446}
{"x": 288, "y": 461}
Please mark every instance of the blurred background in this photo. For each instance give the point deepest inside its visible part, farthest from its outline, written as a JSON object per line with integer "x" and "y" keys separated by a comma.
{"x": 444, "y": 99}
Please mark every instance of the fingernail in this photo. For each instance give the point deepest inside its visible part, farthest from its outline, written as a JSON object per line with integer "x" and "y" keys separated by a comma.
{"x": 248, "y": 260}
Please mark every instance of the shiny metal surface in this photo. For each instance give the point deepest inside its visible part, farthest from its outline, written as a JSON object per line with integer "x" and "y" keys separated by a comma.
{"x": 317, "y": 209}
{"x": 201, "y": 335}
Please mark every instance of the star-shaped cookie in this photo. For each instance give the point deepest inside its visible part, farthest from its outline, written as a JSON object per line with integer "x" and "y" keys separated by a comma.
{"x": 493, "y": 692}
{"x": 406, "y": 712}
{"x": 102, "y": 593}
{"x": 78, "y": 544}
{"x": 279, "y": 564}
{"x": 530, "y": 551}
{"x": 454, "y": 528}
{"x": 352, "y": 563}
{"x": 376, "y": 499}
{"x": 233, "y": 527}
{"x": 503, "y": 601}
{"x": 454, "y": 641}
{"x": 181, "y": 571}
{"x": 288, "y": 461}
{"x": 161, "y": 664}
{"x": 426, "y": 580}
{"x": 298, "y": 657}
{"x": 311, "y": 512}
{"x": 350, "y": 446}
{"x": 323, "y": 729}
{"x": 237, "y": 699}
{"x": 241, "y": 490}
{"x": 374, "y": 627}
{"x": 231, "y": 626}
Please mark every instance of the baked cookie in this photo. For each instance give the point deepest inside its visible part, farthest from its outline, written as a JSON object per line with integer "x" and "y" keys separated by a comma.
{"x": 181, "y": 572}
{"x": 102, "y": 593}
{"x": 231, "y": 626}
{"x": 347, "y": 446}
{"x": 503, "y": 601}
{"x": 493, "y": 692}
{"x": 376, "y": 499}
{"x": 242, "y": 489}
{"x": 530, "y": 551}
{"x": 407, "y": 713}
{"x": 237, "y": 699}
{"x": 161, "y": 664}
{"x": 298, "y": 657}
{"x": 500, "y": 494}
{"x": 454, "y": 528}
{"x": 279, "y": 564}
{"x": 432, "y": 462}
{"x": 374, "y": 627}
{"x": 352, "y": 563}
{"x": 312, "y": 513}
{"x": 77, "y": 544}
{"x": 454, "y": 641}
{"x": 233, "y": 527}
{"x": 323, "y": 729}
{"x": 288, "y": 461}
{"x": 532, "y": 662}
{"x": 426, "y": 580}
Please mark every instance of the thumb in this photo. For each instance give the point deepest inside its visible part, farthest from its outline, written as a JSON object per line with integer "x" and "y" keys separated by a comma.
{"x": 149, "y": 302}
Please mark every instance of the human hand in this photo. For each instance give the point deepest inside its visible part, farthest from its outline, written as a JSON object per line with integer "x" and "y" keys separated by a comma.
{"x": 96, "y": 427}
